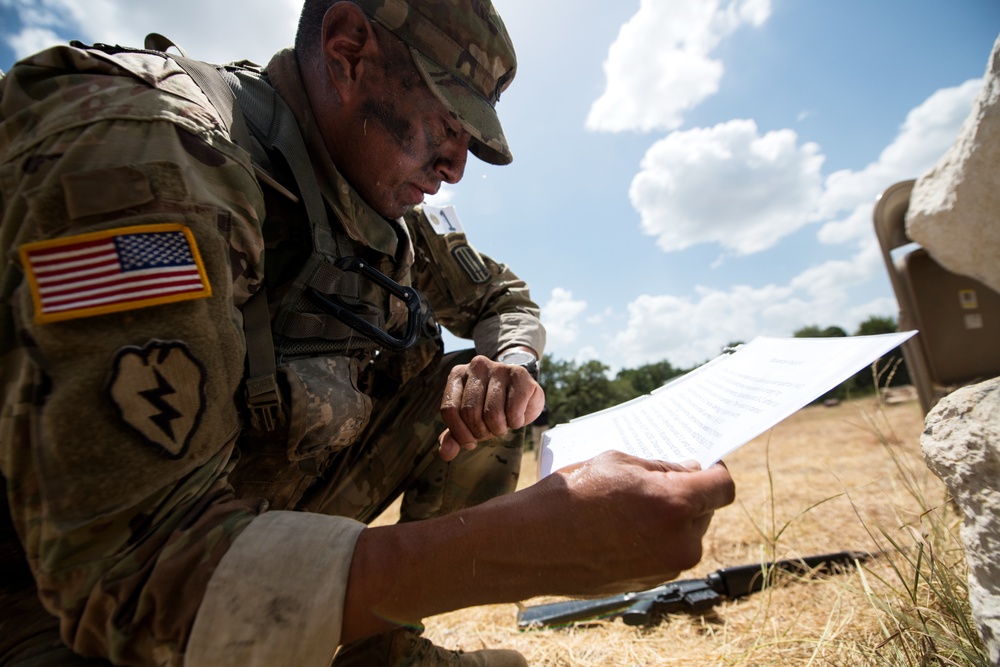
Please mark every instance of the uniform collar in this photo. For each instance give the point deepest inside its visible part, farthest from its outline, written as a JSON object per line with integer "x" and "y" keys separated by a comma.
{"x": 360, "y": 221}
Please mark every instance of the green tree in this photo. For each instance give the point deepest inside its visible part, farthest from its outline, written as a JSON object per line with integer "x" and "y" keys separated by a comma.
{"x": 639, "y": 381}
{"x": 573, "y": 389}
{"x": 889, "y": 369}
{"x": 813, "y": 331}
{"x": 876, "y": 324}
{"x": 843, "y": 390}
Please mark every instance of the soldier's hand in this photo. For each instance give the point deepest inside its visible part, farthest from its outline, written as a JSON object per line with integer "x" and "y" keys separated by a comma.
{"x": 484, "y": 399}
{"x": 612, "y": 524}
{"x": 644, "y": 520}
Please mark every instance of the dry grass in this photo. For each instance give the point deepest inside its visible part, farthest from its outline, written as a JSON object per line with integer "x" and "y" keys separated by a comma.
{"x": 827, "y": 479}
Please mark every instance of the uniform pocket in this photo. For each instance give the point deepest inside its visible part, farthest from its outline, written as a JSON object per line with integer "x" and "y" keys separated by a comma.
{"x": 328, "y": 411}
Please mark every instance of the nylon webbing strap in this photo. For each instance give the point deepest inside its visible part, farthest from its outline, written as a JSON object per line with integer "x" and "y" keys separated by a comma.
{"x": 331, "y": 280}
{"x": 311, "y": 325}
{"x": 210, "y": 80}
{"x": 274, "y": 123}
{"x": 262, "y": 392}
{"x": 158, "y": 42}
{"x": 263, "y": 396}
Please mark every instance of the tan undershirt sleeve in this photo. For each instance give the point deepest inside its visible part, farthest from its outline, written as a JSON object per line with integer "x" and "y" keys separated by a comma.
{"x": 507, "y": 330}
{"x": 277, "y": 597}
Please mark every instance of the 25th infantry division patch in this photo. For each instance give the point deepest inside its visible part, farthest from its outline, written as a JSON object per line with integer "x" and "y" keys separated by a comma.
{"x": 159, "y": 390}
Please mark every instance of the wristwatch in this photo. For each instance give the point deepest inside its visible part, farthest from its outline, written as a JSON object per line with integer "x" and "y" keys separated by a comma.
{"x": 521, "y": 358}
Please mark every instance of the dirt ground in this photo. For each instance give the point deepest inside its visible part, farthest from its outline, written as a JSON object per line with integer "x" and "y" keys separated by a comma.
{"x": 827, "y": 479}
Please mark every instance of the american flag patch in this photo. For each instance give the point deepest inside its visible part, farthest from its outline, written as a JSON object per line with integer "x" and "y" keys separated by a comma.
{"x": 111, "y": 271}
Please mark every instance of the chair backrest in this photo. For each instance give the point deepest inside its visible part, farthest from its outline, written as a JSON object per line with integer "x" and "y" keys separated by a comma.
{"x": 958, "y": 318}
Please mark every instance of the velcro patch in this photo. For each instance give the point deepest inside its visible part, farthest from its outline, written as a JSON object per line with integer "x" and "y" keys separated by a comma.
{"x": 159, "y": 391}
{"x": 114, "y": 270}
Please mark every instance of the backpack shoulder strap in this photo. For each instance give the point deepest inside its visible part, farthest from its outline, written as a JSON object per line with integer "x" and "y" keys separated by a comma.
{"x": 210, "y": 80}
{"x": 262, "y": 393}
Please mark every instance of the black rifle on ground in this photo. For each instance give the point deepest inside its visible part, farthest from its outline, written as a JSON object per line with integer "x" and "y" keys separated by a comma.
{"x": 688, "y": 595}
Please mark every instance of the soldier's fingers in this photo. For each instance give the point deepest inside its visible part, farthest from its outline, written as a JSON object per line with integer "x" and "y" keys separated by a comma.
{"x": 451, "y": 407}
{"x": 476, "y": 394}
{"x": 461, "y": 384}
{"x": 448, "y": 447}
{"x": 719, "y": 484}
{"x": 465, "y": 398}
{"x": 480, "y": 396}
{"x": 524, "y": 398}
{"x": 495, "y": 407}
{"x": 709, "y": 489}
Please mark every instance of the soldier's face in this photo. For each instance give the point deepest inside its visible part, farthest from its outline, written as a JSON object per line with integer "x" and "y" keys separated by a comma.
{"x": 406, "y": 144}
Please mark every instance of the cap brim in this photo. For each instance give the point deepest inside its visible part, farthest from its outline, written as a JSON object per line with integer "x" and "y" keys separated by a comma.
{"x": 477, "y": 116}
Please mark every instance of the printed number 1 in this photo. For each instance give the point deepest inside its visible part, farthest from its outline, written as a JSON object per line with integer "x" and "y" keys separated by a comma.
{"x": 451, "y": 227}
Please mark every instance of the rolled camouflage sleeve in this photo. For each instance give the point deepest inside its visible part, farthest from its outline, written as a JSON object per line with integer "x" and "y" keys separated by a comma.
{"x": 472, "y": 295}
{"x": 276, "y": 597}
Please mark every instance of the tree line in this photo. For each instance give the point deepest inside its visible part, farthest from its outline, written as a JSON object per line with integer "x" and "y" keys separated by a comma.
{"x": 574, "y": 389}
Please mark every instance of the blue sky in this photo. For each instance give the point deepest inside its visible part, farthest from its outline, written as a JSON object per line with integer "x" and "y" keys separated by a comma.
{"x": 687, "y": 172}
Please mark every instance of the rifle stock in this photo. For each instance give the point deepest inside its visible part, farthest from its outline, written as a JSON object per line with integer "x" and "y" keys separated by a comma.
{"x": 688, "y": 595}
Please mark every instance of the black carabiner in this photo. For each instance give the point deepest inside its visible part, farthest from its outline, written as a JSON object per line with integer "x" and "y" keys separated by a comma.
{"x": 407, "y": 295}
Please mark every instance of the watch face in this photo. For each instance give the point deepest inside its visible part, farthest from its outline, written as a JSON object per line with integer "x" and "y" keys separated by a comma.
{"x": 521, "y": 358}
{"x": 517, "y": 358}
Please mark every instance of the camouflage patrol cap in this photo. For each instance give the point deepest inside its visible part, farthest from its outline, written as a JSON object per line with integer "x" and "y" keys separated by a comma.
{"x": 465, "y": 56}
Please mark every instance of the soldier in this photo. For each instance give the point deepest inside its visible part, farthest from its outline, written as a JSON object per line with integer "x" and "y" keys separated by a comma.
{"x": 220, "y": 303}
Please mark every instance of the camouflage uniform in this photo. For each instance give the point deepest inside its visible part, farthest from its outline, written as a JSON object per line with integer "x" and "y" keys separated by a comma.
{"x": 154, "y": 521}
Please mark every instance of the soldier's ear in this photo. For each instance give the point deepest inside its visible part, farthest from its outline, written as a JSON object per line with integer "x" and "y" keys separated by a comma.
{"x": 348, "y": 42}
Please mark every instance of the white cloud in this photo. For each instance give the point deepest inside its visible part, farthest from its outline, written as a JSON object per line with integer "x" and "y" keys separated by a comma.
{"x": 660, "y": 66}
{"x": 32, "y": 40}
{"x": 559, "y": 317}
{"x": 689, "y": 331}
{"x": 762, "y": 188}
{"x": 929, "y": 130}
{"x": 728, "y": 185}
{"x": 600, "y": 318}
{"x": 589, "y": 353}
{"x": 205, "y": 30}
{"x": 444, "y": 196}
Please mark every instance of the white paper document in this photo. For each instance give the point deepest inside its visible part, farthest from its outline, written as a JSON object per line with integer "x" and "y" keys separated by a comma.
{"x": 720, "y": 406}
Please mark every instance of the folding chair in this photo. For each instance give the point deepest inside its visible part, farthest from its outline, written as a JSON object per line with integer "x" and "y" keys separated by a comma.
{"x": 958, "y": 318}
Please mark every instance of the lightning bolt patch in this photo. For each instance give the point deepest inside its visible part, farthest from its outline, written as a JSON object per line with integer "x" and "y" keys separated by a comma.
{"x": 155, "y": 397}
{"x": 159, "y": 391}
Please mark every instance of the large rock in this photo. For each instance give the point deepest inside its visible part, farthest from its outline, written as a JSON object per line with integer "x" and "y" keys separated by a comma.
{"x": 954, "y": 207}
{"x": 961, "y": 445}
